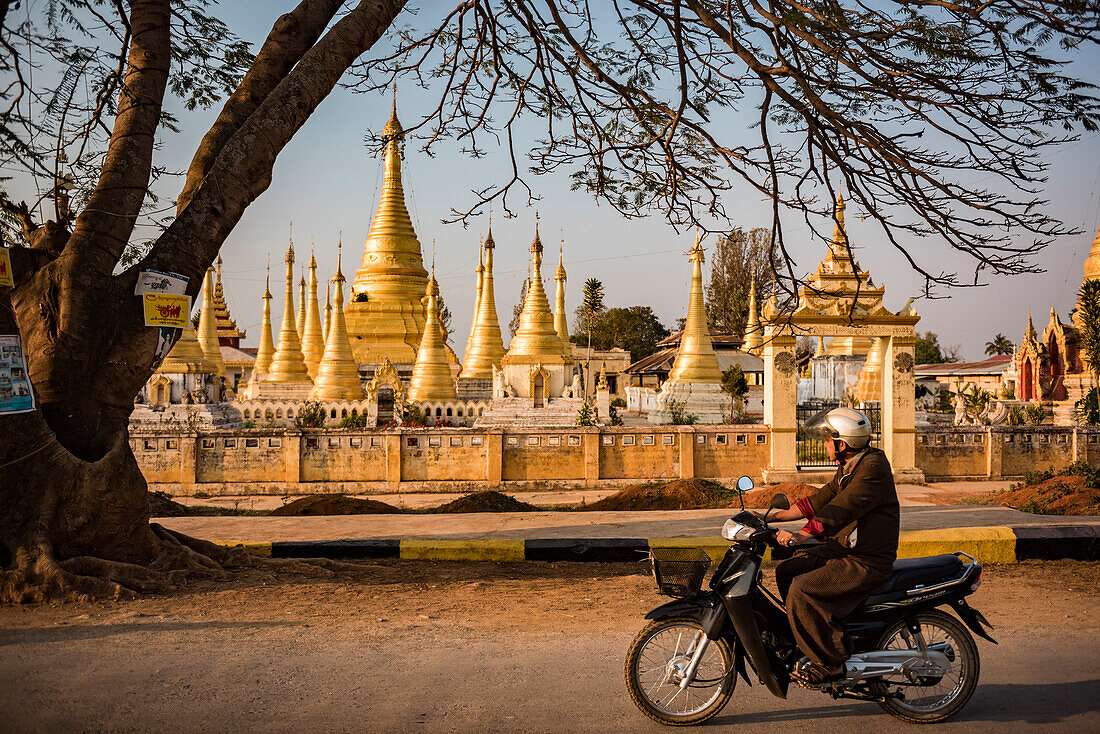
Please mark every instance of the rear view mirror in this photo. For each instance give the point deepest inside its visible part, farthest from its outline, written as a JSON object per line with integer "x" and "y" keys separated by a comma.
{"x": 744, "y": 484}
{"x": 780, "y": 502}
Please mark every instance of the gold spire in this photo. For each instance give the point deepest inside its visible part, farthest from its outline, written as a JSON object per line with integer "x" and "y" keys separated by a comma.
{"x": 300, "y": 323}
{"x": 338, "y": 374}
{"x": 486, "y": 345}
{"x": 288, "y": 364}
{"x": 431, "y": 377}
{"x": 326, "y": 323}
{"x": 536, "y": 341}
{"x": 313, "y": 341}
{"x": 1092, "y": 262}
{"x": 390, "y": 322}
{"x": 186, "y": 356}
{"x": 820, "y": 351}
{"x": 753, "y": 338}
{"x": 208, "y": 329}
{"x": 869, "y": 384}
{"x": 480, "y": 273}
{"x": 227, "y": 327}
{"x": 560, "y": 320}
{"x": 267, "y": 346}
{"x": 695, "y": 358}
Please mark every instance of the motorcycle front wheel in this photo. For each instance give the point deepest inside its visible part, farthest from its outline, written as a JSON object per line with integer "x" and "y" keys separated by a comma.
{"x": 656, "y": 662}
{"x": 930, "y": 700}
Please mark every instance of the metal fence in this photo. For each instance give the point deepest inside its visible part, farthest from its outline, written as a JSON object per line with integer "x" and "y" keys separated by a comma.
{"x": 810, "y": 450}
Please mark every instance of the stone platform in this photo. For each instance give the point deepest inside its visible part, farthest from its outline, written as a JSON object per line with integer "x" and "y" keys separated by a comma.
{"x": 520, "y": 412}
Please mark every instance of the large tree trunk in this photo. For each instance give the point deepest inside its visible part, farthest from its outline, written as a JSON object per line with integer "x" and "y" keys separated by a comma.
{"x": 74, "y": 511}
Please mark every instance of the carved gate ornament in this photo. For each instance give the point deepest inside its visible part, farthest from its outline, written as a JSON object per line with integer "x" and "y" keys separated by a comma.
{"x": 785, "y": 363}
{"x": 903, "y": 362}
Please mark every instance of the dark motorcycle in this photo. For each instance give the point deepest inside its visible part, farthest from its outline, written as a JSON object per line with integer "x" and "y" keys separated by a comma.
{"x": 909, "y": 655}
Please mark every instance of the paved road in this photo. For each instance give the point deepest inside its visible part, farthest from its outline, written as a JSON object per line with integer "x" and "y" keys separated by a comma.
{"x": 453, "y": 654}
{"x": 672, "y": 523}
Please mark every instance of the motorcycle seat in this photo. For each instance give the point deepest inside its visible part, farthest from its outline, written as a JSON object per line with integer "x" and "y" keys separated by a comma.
{"x": 910, "y": 573}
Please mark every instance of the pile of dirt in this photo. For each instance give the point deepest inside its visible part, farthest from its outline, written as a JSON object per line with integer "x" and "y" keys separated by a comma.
{"x": 680, "y": 494}
{"x": 334, "y": 504}
{"x": 1065, "y": 494}
{"x": 162, "y": 505}
{"x": 763, "y": 496}
{"x": 488, "y": 501}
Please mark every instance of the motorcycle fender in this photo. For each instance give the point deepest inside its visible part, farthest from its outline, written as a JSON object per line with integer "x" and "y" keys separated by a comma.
{"x": 711, "y": 615}
{"x": 739, "y": 606}
{"x": 973, "y": 619}
{"x": 739, "y": 662}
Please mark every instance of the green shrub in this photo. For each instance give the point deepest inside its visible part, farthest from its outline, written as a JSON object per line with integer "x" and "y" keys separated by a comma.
{"x": 1035, "y": 414}
{"x": 1087, "y": 409}
{"x": 618, "y": 403}
{"x": 1016, "y": 416}
{"x": 312, "y": 415}
{"x": 249, "y": 424}
{"x": 353, "y": 421}
{"x": 585, "y": 416}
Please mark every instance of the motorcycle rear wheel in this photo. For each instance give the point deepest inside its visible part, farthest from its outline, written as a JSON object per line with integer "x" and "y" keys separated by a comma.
{"x": 659, "y": 653}
{"x": 942, "y": 697}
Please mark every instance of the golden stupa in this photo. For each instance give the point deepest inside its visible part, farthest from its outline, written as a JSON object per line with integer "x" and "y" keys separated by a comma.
{"x": 479, "y": 272}
{"x": 300, "y": 321}
{"x": 754, "y": 332}
{"x": 338, "y": 373}
{"x": 696, "y": 361}
{"x": 869, "y": 384}
{"x": 560, "y": 318}
{"x": 1092, "y": 262}
{"x": 386, "y": 316}
{"x": 313, "y": 339}
{"x": 288, "y": 365}
{"x": 228, "y": 333}
{"x": 186, "y": 356}
{"x": 326, "y": 323}
{"x": 536, "y": 340}
{"x": 266, "y": 351}
{"x": 431, "y": 377}
{"x": 486, "y": 345}
{"x": 208, "y": 329}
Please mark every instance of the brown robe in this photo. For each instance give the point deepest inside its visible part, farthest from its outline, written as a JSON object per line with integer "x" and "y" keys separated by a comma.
{"x": 823, "y": 585}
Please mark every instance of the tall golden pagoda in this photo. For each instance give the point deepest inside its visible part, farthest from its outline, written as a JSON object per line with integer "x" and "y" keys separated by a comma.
{"x": 326, "y": 323}
{"x": 338, "y": 373}
{"x": 208, "y": 329}
{"x": 560, "y": 319}
{"x": 431, "y": 378}
{"x": 389, "y": 323}
{"x": 486, "y": 344}
{"x": 869, "y": 384}
{"x": 695, "y": 358}
{"x": 267, "y": 346}
{"x": 313, "y": 340}
{"x": 536, "y": 340}
{"x": 300, "y": 322}
{"x": 228, "y": 333}
{"x": 186, "y": 356}
{"x": 754, "y": 332}
{"x": 480, "y": 276}
{"x": 288, "y": 364}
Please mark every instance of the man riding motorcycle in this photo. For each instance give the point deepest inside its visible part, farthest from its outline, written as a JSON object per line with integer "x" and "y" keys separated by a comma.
{"x": 823, "y": 584}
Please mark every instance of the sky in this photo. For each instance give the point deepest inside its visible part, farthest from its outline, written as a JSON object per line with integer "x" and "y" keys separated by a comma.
{"x": 327, "y": 181}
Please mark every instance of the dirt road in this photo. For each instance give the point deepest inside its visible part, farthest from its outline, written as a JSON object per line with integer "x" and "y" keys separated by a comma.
{"x": 434, "y": 647}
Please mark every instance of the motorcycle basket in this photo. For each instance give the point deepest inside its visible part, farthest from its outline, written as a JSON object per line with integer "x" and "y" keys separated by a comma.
{"x": 679, "y": 572}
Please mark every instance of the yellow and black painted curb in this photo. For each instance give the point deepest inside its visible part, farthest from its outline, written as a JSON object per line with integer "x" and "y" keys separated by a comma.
{"x": 996, "y": 544}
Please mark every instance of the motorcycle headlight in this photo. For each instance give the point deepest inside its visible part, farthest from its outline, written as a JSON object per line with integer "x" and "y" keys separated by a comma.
{"x": 734, "y": 530}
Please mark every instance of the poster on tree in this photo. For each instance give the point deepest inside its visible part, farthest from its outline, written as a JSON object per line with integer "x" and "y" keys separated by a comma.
{"x": 16, "y": 395}
{"x": 6, "y": 277}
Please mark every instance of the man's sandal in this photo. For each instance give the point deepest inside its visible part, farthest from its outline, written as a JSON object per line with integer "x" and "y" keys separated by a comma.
{"x": 813, "y": 674}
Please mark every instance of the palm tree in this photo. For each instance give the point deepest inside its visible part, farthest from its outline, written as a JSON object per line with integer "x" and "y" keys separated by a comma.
{"x": 1001, "y": 344}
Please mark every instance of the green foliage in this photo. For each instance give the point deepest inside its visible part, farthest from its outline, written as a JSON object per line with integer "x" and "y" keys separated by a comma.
{"x": 586, "y": 416}
{"x": 1087, "y": 409}
{"x": 249, "y": 424}
{"x": 679, "y": 417}
{"x": 738, "y": 258}
{"x": 1016, "y": 416}
{"x": 1088, "y": 319}
{"x": 1035, "y": 414}
{"x": 1077, "y": 468}
{"x": 312, "y": 415}
{"x": 635, "y": 329}
{"x": 613, "y": 417}
{"x": 411, "y": 415}
{"x": 353, "y": 421}
{"x": 1000, "y": 344}
{"x": 928, "y": 350}
{"x": 975, "y": 398}
{"x": 618, "y": 403}
{"x": 735, "y": 384}
{"x": 591, "y": 306}
{"x": 942, "y": 402}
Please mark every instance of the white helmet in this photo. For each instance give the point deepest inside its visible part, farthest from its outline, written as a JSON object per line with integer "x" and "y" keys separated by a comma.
{"x": 844, "y": 424}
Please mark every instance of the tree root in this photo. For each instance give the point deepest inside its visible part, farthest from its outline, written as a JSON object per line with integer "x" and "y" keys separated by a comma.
{"x": 35, "y": 575}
